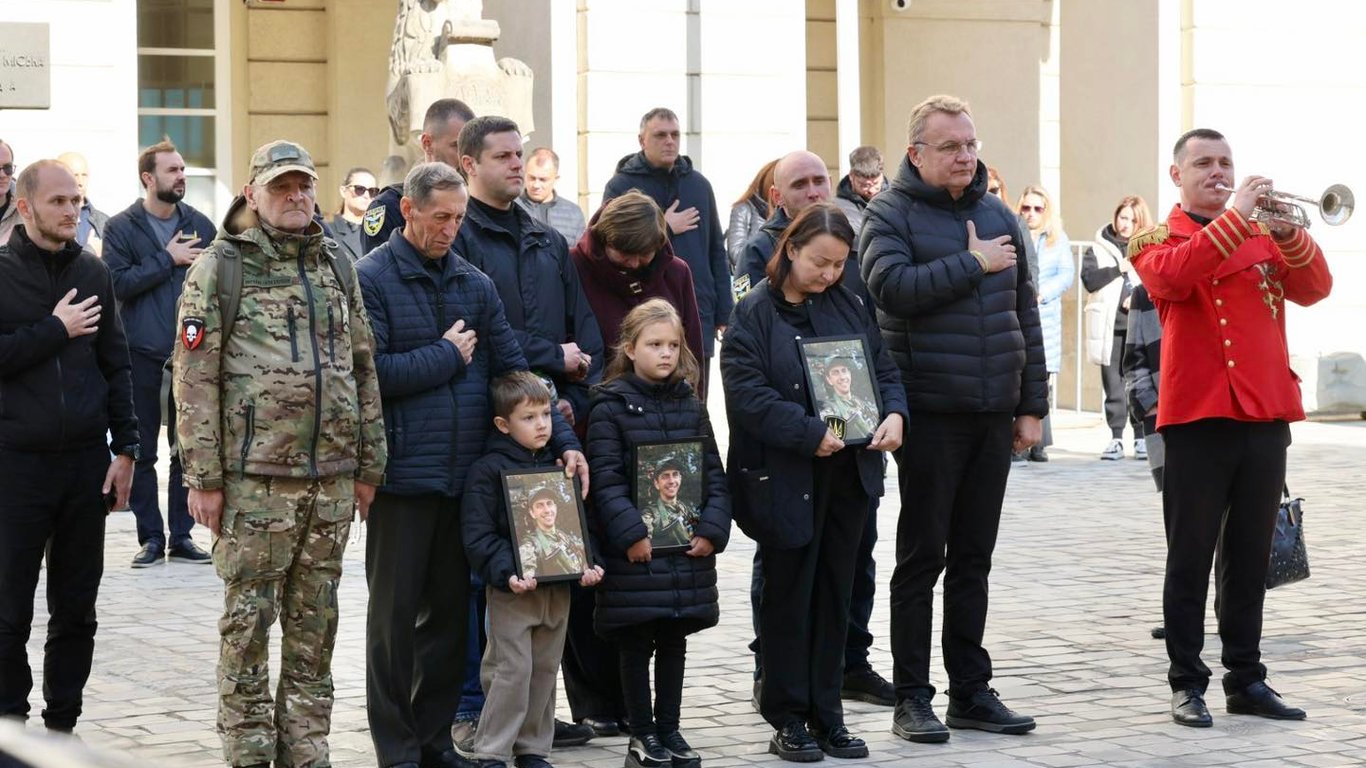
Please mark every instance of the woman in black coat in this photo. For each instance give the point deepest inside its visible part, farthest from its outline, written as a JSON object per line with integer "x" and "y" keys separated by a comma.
{"x": 796, "y": 489}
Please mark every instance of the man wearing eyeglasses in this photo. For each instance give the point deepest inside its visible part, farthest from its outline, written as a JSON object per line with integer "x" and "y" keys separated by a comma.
{"x": 440, "y": 142}
{"x": 9, "y": 212}
{"x": 939, "y": 256}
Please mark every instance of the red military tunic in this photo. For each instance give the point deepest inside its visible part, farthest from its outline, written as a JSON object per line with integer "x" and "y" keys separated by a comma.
{"x": 1220, "y": 292}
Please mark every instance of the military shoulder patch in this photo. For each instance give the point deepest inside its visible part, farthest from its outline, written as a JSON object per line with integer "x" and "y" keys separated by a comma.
{"x": 192, "y": 332}
{"x": 740, "y": 285}
{"x": 1147, "y": 237}
{"x": 374, "y": 219}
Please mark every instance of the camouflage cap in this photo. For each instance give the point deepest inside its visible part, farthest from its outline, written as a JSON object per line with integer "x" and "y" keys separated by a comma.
{"x": 670, "y": 463}
{"x": 276, "y": 158}
{"x": 544, "y": 492}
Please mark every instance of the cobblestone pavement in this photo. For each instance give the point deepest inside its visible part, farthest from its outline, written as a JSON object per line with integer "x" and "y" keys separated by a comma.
{"x": 1075, "y": 589}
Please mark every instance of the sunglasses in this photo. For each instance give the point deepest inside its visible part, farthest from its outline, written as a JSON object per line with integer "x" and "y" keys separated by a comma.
{"x": 360, "y": 190}
{"x": 7, "y": 169}
{"x": 1034, "y": 208}
{"x": 993, "y": 190}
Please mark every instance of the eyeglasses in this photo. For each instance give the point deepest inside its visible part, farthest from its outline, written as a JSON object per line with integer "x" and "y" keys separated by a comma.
{"x": 993, "y": 190}
{"x": 954, "y": 147}
{"x": 360, "y": 190}
{"x": 1034, "y": 208}
{"x": 7, "y": 169}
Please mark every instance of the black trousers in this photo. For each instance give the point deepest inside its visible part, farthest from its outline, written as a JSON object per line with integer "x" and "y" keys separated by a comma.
{"x": 1221, "y": 475}
{"x": 148, "y": 404}
{"x": 953, "y": 470}
{"x": 859, "y": 638}
{"x": 591, "y": 665}
{"x": 667, "y": 641}
{"x": 1116, "y": 401}
{"x": 415, "y": 629}
{"x": 804, "y": 615}
{"x": 51, "y": 506}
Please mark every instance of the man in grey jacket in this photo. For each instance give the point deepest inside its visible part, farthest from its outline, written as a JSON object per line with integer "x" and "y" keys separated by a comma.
{"x": 539, "y": 198}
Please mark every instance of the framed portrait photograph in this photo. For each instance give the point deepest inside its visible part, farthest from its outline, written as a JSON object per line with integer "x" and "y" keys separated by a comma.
{"x": 843, "y": 386}
{"x": 667, "y": 489}
{"x": 545, "y": 516}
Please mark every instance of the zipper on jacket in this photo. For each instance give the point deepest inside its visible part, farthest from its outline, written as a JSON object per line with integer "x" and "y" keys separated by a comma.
{"x": 331, "y": 336}
{"x": 248, "y": 434}
{"x": 317, "y": 368}
{"x": 293, "y": 336}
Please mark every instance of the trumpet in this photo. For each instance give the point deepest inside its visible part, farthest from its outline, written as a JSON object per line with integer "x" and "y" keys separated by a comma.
{"x": 1335, "y": 206}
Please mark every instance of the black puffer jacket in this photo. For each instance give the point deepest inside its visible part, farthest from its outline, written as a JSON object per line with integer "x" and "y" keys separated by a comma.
{"x": 965, "y": 341}
{"x": 774, "y": 432}
{"x": 483, "y": 510}
{"x": 626, "y": 412}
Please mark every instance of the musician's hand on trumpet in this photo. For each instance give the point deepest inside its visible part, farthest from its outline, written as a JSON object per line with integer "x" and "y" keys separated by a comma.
{"x": 1249, "y": 193}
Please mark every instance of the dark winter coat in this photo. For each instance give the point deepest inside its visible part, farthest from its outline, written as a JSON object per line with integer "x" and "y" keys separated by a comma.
{"x": 704, "y": 247}
{"x": 774, "y": 430}
{"x": 759, "y": 249}
{"x": 541, "y": 295}
{"x": 437, "y": 414}
{"x": 59, "y": 393}
{"x": 612, "y": 293}
{"x": 146, "y": 280}
{"x": 965, "y": 341}
{"x": 626, "y": 412}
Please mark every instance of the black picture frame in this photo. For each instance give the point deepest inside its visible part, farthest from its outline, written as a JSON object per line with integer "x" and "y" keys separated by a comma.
{"x": 857, "y": 419}
{"x": 521, "y": 487}
{"x": 648, "y": 460}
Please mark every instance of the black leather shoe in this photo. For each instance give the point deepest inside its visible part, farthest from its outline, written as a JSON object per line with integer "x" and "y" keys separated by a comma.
{"x": 867, "y": 685}
{"x": 914, "y": 720}
{"x": 1188, "y": 708}
{"x": 647, "y": 751}
{"x": 148, "y": 556}
{"x": 453, "y": 759}
{"x": 680, "y": 752}
{"x": 600, "y": 727}
{"x": 839, "y": 742}
{"x": 1037, "y": 453}
{"x": 1260, "y": 700}
{"x": 531, "y": 761}
{"x": 571, "y": 734}
{"x": 189, "y": 552}
{"x": 794, "y": 744}
{"x": 984, "y": 711}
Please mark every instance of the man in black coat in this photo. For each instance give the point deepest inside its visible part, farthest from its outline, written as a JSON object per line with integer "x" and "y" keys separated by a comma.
{"x": 689, "y": 206}
{"x": 64, "y": 371}
{"x": 939, "y": 258}
{"x": 149, "y": 246}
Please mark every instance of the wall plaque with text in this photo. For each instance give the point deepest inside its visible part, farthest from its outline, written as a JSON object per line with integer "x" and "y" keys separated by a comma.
{"x": 25, "y": 66}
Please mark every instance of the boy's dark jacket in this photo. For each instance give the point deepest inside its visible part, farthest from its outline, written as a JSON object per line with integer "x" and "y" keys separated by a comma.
{"x": 626, "y": 412}
{"x": 484, "y": 514}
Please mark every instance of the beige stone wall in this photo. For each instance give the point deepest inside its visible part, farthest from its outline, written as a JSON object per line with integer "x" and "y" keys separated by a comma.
{"x": 822, "y": 91}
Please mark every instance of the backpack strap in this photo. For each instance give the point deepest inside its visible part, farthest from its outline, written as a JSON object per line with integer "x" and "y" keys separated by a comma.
{"x": 229, "y": 287}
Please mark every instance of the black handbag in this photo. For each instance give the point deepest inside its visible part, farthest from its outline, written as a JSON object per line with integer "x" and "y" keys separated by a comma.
{"x": 1289, "y": 560}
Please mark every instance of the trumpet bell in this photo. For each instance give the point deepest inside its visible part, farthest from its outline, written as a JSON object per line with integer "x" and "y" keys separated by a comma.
{"x": 1337, "y": 204}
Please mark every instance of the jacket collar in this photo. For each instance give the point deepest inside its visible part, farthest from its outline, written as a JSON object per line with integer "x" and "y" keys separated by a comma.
{"x": 777, "y": 222}
{"x": 909, "y": 182}
{"x": 593, "y": 256}
{"x": 1182, "y": 225}
{"x": 413, "y": 265}
{"x": 637, "y": 165}
{"x": 528, "y": 224}
{"x": 242, "y": 225}
{"x": 20, "y": 244}
{"x": 637, "y": 392}
{"x": 504, "y": 445}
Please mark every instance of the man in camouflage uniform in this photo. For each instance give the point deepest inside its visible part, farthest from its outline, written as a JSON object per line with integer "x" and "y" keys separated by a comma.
{"x": 670, "y": 520}
{"x": 859, "y": 415}
{"x": 546, "y": 550}
{"x": 281, "y": 438}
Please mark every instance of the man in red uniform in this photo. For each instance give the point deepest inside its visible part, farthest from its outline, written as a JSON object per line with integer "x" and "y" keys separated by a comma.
{"x": 1221, "y": 284}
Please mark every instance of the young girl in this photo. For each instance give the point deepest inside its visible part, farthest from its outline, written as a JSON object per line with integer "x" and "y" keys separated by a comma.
{"x": 649, "y": 604}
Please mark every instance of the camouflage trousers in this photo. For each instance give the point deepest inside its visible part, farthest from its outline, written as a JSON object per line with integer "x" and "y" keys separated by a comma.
{"x": 279, "y": 554}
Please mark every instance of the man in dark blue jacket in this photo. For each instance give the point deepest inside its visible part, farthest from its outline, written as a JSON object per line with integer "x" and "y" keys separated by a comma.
{"x": 440, "y": 336}
{"x": 961, "y": 321}
{"x": 529, "y": 263}
{"x": 689, "y": 206}
{"x": 64, "y": 374}
{"x": 149, "y": 247}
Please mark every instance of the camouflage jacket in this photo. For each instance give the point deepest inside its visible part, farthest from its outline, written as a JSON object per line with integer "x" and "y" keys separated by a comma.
{"x": 552, "y": 554}
{"x": 294, "y": 393}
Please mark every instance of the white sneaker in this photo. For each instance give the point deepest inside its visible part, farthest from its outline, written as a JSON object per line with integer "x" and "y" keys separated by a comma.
{"x": 1141, "y": 449}
{"x": 1114, "y": 451}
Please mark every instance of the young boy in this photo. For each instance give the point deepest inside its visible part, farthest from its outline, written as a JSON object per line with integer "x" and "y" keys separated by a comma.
{"x": 526, "y": 623}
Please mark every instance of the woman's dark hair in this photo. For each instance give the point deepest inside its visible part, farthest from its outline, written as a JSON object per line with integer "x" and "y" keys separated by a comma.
{"x": 813, "y": 221}
{"x": 759, "y": 187}
{"x": 346, "y": 181}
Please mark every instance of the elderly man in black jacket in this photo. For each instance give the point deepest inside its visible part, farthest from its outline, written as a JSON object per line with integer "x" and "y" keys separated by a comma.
{"x": 64, "y": 371}
{"x": 960, "y": 319}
